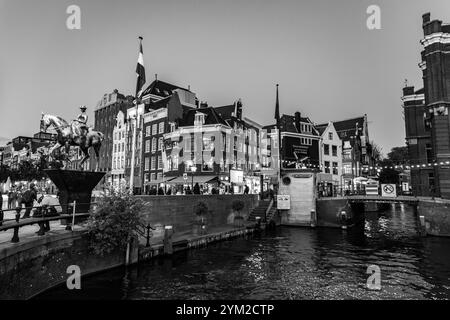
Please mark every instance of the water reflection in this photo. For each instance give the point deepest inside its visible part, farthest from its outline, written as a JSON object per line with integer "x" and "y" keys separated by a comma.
{"x": 291, "y": 263}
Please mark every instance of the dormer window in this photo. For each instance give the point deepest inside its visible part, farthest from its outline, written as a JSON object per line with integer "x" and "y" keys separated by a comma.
{"x": 199, "y": 119}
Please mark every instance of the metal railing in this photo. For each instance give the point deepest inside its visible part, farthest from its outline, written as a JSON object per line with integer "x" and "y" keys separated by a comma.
{"x": 42, "y": 216}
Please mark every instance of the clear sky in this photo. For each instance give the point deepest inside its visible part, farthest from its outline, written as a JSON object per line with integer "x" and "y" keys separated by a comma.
{"x": 328, "y": 64}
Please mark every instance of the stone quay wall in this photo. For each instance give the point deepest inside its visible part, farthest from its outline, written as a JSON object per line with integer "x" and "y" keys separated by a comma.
{"x": 437, "y": 216}
{"x": 35, "y": 265}
{"x": 178, "y": 211}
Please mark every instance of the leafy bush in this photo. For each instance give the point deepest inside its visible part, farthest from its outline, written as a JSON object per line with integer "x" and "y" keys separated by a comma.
{"x": 114, "y": 222}
{"x": 201, "y": 209}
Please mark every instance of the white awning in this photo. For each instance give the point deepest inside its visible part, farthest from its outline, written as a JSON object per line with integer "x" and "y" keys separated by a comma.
{"x": 197, "y": 179}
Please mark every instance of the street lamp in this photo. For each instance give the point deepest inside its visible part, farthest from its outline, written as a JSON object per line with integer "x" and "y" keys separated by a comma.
{"x": 193, "y": 170}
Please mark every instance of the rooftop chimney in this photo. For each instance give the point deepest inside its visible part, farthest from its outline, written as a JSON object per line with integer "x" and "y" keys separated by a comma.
{"x": 156, "y": 77}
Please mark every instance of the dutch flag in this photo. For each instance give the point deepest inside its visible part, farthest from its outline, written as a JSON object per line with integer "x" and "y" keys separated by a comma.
{"x": 140, "y": 71}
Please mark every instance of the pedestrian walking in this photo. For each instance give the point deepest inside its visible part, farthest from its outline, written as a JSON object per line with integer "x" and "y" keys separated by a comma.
{"x": 246, "y": 189}
{"x": 28, "y": 198}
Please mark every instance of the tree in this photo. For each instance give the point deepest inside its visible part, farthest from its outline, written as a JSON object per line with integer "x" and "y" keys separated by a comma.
{"x": 114, "y": 222}
{"x": 398, "y": 155}
{"x": 376, "y": 152}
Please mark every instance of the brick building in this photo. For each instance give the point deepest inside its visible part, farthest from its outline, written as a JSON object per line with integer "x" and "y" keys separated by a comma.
{"x": 418, "y": 141}
{"x": 299, "y": 142}
{"x": 435, "y": 67}
{"x": 157, "y": 95}
{"x": 105, "y": 114}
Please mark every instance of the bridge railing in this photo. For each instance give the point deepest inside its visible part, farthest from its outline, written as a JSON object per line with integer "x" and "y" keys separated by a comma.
{"x": 339, "y": 190}
{"x": 42, "y": 215}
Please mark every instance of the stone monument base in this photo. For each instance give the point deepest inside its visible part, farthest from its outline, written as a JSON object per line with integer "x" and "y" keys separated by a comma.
{"x": 73, "y": 186}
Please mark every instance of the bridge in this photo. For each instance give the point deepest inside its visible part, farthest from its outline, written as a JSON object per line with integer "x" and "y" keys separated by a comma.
{"x": 381, "y": 199}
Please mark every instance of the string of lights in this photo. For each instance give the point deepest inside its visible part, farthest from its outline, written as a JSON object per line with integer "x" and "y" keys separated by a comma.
{"x": 377, "y": 167}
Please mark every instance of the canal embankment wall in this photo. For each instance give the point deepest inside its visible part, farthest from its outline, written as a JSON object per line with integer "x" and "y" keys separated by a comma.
{"x": 436, "y": 213}
{"x": 178, "y": 211}
{"x": 36, "y": 264}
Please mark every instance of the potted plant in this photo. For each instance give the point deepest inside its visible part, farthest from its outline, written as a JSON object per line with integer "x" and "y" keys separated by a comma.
{"x": 237, "y": 206}
{"x": 200, "y": 210}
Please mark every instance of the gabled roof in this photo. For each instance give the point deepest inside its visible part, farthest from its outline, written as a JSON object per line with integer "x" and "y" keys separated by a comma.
{"x": 346, "y": 128}
{"x": 161, "y": 88}
{"x": 211, "y": 117}
{"x": 287, "y": 124}
{"x": 159, "y": 104}
{"x": 226, "y": 112}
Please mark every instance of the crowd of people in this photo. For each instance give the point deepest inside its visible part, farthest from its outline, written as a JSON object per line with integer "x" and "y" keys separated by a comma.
{"x": 197, "y": 189}
{"x": 29, "y": 198}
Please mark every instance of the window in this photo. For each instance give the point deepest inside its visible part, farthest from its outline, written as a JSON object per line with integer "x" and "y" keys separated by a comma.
{"x": 429, "y": 152}
{"x": 334, "y": 151}
{"x": 161, "y": 127}
{"x": 146, "y": 163}
{"x": 154, "y": 146}
{"x": 347, "y": 155}
{"x": 347, "y": 169}
{"x": 335, "y": 168}
{"x": 199, "y": 119}
{"x": 147, "y": 145}
{"x": 326, "y": 149}
{"x": 160, "y": 162}
{"x": 208, "y": 143}
{"x": 208, "y": 165}
{"x": 330, "y": 135}
{"x": 160, "y": 143}
{"x": 327, "y": 167}
{"x": 154, "y": 129}
{"x": 147, "y": 130}
{"x": 153, "y": 166}
{"x": 175, "y": 163}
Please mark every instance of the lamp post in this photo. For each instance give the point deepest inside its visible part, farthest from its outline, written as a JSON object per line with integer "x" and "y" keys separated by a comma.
{"x": 193, "y": 170}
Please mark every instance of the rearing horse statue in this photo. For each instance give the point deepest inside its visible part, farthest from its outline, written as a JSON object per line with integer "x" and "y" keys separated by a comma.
{"x": 67, "y": 138}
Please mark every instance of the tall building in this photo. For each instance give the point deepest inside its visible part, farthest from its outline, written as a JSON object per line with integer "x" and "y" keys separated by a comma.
{"x": 331, "y": 153}
{"x": 418, "y": 141}
{"x": 120, "y": 134}
{"x": 213, "y": 146}
{"x": 357, "y": 158}
{"x": 105, "y": 114}
{"x": 435, "y": 67}
{"x": 157, "y": 95}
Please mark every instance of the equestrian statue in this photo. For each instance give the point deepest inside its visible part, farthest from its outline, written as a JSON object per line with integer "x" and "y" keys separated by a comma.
{"x": 77, "y": 133}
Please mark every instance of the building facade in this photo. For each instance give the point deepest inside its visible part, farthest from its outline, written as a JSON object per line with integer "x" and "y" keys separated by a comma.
{"x": 105, "y": 114}
{"x": 435, "y": 67}
{"x": 357, "y": 158}
{"x": 331, "y": 153}
{"x": 120, "y": 134}
{"x": 300, "y": 142}
{"x": 418, "y": 141}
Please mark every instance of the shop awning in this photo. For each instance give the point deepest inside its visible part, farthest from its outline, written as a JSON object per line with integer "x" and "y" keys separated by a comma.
{"x": 197, "y": 179}
{"x": 163, "y": 180}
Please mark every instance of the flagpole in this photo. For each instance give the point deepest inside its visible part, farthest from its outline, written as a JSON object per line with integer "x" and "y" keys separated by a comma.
{"x": 279, "y": 139}
{"x": 136, "y": 118}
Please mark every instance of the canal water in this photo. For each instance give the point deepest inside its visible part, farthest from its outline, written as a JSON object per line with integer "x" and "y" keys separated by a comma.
{"x": 290, "y": 263}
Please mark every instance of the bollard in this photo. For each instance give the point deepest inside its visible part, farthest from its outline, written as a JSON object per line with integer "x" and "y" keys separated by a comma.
{"x": 258, "y": 222}
{"x": 423, "y": 229}
{"x": 168, "y": 246}
{"x": 343, "y": 219}
{"x": 313, "y": 218}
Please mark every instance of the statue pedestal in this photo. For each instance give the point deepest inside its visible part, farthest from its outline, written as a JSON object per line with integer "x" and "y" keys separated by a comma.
{"x": 73, "y": 186}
